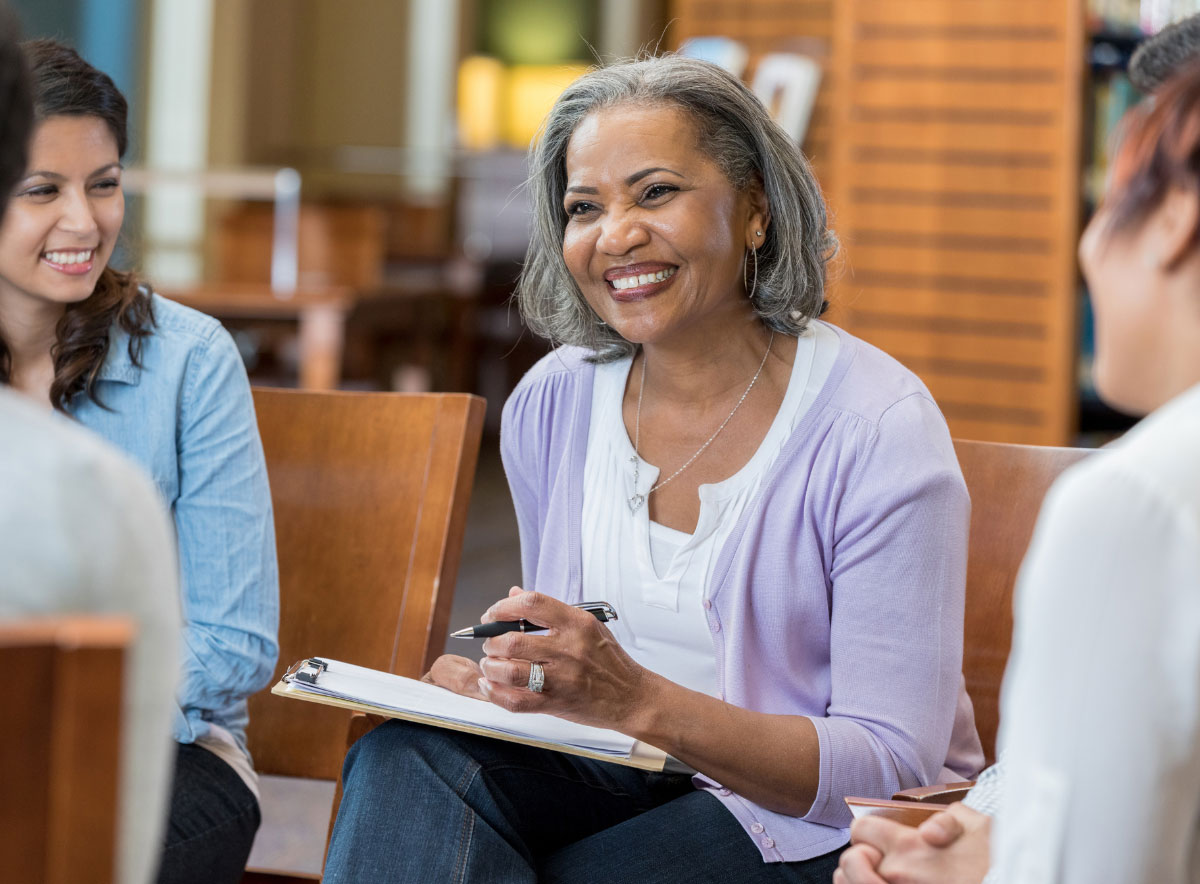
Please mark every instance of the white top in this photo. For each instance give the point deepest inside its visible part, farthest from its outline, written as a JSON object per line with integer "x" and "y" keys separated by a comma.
{"x": 221, "y": 743}
{"x": 1101, "y": 702}
{"x": 82, "y": 532}
{"x": 656, "y": 577}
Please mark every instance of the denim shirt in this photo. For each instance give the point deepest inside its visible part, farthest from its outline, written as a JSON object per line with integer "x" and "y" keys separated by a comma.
{"x": 187, "y": 417}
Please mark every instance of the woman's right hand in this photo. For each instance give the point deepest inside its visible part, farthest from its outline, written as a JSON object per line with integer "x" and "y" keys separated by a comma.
{"x": 456, "y": 674}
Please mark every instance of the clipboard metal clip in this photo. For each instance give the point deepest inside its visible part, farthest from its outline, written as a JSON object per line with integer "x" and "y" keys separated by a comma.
{"x": 306, "y": 671}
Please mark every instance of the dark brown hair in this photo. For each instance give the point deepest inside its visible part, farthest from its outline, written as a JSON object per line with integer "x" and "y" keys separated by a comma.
{"x": 66, "y": 85}
{"x": 1159, "y": 151}
{"x": 16, "y": 112}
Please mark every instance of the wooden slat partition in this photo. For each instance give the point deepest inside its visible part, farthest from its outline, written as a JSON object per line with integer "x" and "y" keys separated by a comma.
{"x": 764, "y": 26}
{"x": 955, "y": 156}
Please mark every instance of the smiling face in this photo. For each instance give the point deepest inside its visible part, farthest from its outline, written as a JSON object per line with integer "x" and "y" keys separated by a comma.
{"x": 64, "y": 216}
{"x": 656, "y": 234}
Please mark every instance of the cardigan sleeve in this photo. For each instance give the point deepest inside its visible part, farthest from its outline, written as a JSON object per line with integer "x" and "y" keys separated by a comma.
{"x": 897, "y": 583}
{"x": 543, "y": 429}
{"x": 519, "y": 443}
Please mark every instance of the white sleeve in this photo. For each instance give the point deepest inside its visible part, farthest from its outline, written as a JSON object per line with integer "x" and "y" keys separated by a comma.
{"x": 988, "y": 791}
{"x": 1102, "y": 694}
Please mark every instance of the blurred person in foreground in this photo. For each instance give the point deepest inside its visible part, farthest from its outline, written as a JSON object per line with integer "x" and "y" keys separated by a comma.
{"x": 773, "y": 507}
{"x": 82, "y": 531}
{"x": 1100, "y": 725}
{"x": 164, "y": 384}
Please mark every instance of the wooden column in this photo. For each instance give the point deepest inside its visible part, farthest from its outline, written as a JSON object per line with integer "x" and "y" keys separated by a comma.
{"x": 956, "y": 170}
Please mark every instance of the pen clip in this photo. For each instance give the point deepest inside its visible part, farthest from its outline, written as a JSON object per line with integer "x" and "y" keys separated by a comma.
{"x": 598, "y": 608}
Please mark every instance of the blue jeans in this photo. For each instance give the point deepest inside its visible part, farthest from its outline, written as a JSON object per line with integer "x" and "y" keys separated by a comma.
{"x": 423, "y": 804}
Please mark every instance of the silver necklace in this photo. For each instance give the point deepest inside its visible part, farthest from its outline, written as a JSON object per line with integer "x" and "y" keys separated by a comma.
{"x": 637, "y": 499}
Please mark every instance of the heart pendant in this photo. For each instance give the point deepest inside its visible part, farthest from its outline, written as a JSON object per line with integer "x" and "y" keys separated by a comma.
{"x": 636, "y": 502}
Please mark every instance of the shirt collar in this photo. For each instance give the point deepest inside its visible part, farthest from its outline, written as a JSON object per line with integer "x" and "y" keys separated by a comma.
{"x": 117, "y": 364}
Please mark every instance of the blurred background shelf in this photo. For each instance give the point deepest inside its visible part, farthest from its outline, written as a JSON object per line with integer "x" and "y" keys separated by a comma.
{"x": 961, "y": 147}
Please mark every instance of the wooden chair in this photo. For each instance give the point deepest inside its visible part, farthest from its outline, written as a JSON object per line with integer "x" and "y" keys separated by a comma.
{"x": 62, "y": 735}
{"x": 370, "y": 493}
{"x": 1007, "y": 484}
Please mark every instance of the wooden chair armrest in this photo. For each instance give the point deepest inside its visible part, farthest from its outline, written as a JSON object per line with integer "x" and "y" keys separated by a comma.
{"x": 360, "y": 725}
{"x": 907, "y": 813}
{"x": 939, "y": 793}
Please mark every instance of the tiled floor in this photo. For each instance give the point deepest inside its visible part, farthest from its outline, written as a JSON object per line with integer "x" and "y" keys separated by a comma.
{"x": 491, "y": 563}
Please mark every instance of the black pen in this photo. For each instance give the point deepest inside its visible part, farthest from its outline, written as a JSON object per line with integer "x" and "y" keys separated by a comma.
{"x": 602, "y": 611}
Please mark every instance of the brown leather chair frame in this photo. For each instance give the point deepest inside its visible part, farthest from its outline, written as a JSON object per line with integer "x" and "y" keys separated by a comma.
{"x": 1007, "y": 484}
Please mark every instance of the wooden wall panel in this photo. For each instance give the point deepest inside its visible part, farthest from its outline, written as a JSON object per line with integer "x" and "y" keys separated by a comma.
{"x": 764, "y": 26}
{"x": 929, "y": 131}
{"x": 924, "y": 270}
{"x": 955, "y": 169}
{"x": 946, "y": 137}
{"x": 960, "y": 19}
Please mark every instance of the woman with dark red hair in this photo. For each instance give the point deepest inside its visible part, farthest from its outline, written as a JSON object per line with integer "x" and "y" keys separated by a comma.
{"x": 1101, "y": 708}
{"x": 1101, "y": 712}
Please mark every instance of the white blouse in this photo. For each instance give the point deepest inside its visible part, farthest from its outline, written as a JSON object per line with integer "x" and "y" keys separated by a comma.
{"x": 1100, "y": 712}
{"x": 656, "y": 577}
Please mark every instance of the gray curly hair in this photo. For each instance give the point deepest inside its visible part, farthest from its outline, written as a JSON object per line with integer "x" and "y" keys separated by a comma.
{"x": 1165, "y": 54}
{"x": 737, "y": 133}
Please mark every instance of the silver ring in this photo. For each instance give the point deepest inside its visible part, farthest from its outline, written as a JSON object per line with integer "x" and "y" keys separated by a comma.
{"x": 537, "y": 677}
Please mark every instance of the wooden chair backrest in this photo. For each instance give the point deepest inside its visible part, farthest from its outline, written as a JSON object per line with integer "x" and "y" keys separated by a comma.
{"x": 370, "y": 493}
{"x": 1007, "y": 484}
{"x": 63, "y": 682}
{"x": 337, "y": 245}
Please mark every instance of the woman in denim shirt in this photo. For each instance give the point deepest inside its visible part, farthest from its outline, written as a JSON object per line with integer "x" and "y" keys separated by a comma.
{"x": 165, "y": 384}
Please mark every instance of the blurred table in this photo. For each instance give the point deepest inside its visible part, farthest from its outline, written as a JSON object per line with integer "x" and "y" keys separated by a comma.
{"x": 320, "y": 314}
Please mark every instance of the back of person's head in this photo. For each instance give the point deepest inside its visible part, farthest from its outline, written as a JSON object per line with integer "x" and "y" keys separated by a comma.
{"x": 1140, "y": 253}
{"x": 1165, "y": 54}
{"x": 16, "y": 113}
{"x": 735, "y": 130}
{"x": 1158, "y": 153}
{"x": 66, "y": 85}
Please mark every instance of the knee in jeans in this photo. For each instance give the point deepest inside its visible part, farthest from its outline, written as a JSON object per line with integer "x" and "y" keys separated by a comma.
{"x": 396, "y": 745}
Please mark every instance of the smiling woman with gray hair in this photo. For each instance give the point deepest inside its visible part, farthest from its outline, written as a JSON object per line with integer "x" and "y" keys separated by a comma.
{"x": 739, "y": 137}
{"x": 773, "y": 507}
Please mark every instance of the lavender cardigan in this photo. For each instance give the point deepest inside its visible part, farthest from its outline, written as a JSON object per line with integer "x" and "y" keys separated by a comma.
{"x": 839, "y": 594}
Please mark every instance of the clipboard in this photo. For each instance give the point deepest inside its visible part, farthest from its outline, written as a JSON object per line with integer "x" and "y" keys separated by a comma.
{"x": 303, "y": 681}
{"x": 907, "y": 813}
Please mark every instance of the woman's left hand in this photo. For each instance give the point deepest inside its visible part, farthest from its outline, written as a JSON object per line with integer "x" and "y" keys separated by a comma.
{"x": 588, "y": 676}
